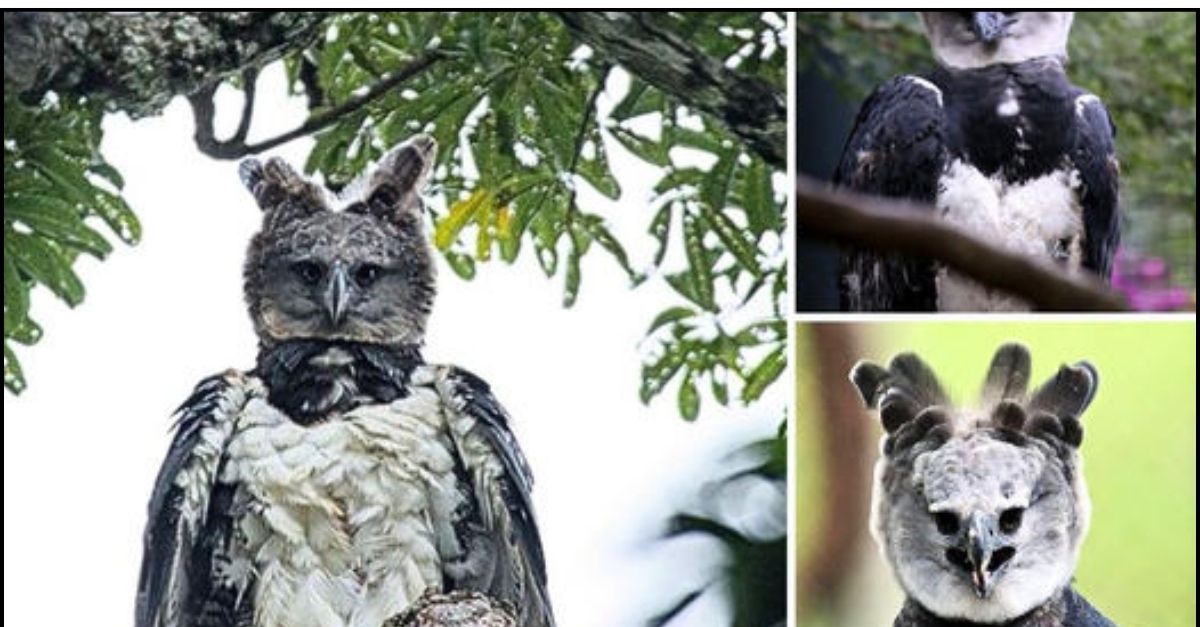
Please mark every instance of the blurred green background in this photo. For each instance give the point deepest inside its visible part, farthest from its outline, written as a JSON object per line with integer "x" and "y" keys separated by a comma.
{"x": 1138, "y": 563}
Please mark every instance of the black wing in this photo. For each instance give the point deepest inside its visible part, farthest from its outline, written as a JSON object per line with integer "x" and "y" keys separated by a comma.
{"x": 897, "y": 149}
{"x": 1079, "y": 612}
{"x": 1094, "y": 155}
{"x": 521, "y": 568}
{"x": 175, "y": 588}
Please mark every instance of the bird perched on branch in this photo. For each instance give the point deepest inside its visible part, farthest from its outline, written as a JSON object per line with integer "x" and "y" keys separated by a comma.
{"x": 997, "y": 141}
{"x": 343, "y": 477}
{"x": 982, "y": 511}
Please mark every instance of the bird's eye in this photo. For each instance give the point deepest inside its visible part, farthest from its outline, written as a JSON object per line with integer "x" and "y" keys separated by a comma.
{"x": 310, "y": 272}
{"x": 366, "y": 274}
{"x": 947, "y": 523}
{"x": 1010, "y": 519}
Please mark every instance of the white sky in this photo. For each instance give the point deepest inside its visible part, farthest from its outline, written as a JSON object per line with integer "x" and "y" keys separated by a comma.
{"x": 82, "y": 445}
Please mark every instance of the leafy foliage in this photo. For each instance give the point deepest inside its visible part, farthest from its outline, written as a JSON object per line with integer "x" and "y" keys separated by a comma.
{"x": 513, "y": 105}
{"x": 55, "y": 181}
{"x": 1147, "y": 81}
{"x": 756, "y": 570}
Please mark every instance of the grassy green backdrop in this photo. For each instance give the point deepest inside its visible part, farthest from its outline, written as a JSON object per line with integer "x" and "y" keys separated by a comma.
{"x": 1138, "y": 563}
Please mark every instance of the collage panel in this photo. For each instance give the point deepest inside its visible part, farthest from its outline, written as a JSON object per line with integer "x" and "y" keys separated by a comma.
{"x": 399, "y": 318}
{"x": 975, "y": 469}
{"x": 624, "y": 318}
{"x": 974, "y": 161}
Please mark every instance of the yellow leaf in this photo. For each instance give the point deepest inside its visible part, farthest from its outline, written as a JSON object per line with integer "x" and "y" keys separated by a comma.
{"x": 459, "y": 215}
{"x": 504, "y": 222}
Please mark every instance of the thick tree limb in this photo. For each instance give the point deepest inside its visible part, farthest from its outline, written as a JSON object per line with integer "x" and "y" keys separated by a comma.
{"x": 898, "y": 227}
{"x": 235, "y": 147}
{"x": 137, "y": 62}
{"x": 751, "y": 108}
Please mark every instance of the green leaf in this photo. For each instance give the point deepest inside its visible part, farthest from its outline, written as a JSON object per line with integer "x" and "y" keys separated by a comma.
{"x": 16, "y": 294}
{"x": 656, "y": 375}
{"x": 118, "y": 216}
{"x": 14, "y": 379}
{"x": 640, "y": 100}
{"x": 660, "y": 228}
{"x": 27, "y": 333}
{"x": 109, "y": 173}
{"x": 669, "y": 316}
{"x": 463, "y": 265}
{"x": 720, "y": 388}
{"x": 758, "y": 198}
{"x": 715, "y": 187}
{"x": 53, "y": 218}
{"x": 764, "y": 374}
{"x": 601, "y": 235}
{"x": 597, "y": 173}
{"x": 42, "y": 261}
{"x": 733, "y": 238}
{"x": 700, "y": 270}
{"x": 646, "y": 149}
{"x": 689, "y": 399}
{"x": 572, "y": 279}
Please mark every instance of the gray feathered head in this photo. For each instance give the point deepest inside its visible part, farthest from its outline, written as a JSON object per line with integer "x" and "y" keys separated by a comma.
{"x": 972, "y": 39}
{"x": 980, "y": 511}
{"x": 355, "y": 267}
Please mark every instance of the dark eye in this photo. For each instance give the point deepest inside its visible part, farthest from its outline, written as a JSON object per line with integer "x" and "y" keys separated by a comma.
{"x": 947, "y": 523}
{"x": 1010, "y": 519}
{"x": 310, "y": 272}
{"x": 366, "y": 274}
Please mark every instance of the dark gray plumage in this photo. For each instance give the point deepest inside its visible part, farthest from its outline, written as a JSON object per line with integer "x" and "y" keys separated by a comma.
{"x": 982, "y": 511}
{"x": 997, "y": 141}
{"x": 343, "y": 477}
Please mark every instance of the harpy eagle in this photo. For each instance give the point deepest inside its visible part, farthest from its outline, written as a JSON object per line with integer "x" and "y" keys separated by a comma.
{"x": 982, "y": 510}
{"x": 999, "y": 142}
{"x": 343, "y": 477}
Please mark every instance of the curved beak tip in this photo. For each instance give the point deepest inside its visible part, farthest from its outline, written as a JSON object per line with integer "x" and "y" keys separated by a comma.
{"x": 337, "y": 296}
{"x": 989, "y": 26}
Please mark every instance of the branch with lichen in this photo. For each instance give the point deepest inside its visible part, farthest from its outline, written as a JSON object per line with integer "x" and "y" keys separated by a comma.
{"x": 138, "y": 62}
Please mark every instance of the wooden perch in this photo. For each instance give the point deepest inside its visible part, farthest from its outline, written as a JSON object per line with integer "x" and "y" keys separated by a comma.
{"x": 455, "y": 609}
{"x": 892, "y": 226}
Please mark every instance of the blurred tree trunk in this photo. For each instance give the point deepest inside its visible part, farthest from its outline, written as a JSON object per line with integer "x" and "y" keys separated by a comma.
{"x": 845, "y": 431}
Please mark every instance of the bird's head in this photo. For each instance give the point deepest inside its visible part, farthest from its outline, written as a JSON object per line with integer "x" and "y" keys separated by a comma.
{"x": 972, "y": 39}
{"x": 363, "y": 272}
{"x": 982, "y": 511}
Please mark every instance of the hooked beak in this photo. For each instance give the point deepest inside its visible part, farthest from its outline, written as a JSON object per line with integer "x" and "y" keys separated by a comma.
{"x": 986, "y": 552}
{"x": 989, "y": 26}
{"x": 337, "y": 294}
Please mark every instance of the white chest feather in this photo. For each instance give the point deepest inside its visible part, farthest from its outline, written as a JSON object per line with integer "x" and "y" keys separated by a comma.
{"x": 346, "y": 521}
{"x": 1040, "y": 218}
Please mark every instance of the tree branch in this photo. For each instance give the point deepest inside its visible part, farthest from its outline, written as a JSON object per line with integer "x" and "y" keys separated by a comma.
{"x": 137, "y": 62}
{"x": 750, "y": 107}
{"x": 454, "y": 609}
{"x": 202, "y": 110}
{"x": 899, "y": 227}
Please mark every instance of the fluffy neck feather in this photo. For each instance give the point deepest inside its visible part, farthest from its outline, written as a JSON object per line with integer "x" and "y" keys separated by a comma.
{"x": 315, "y": 379}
